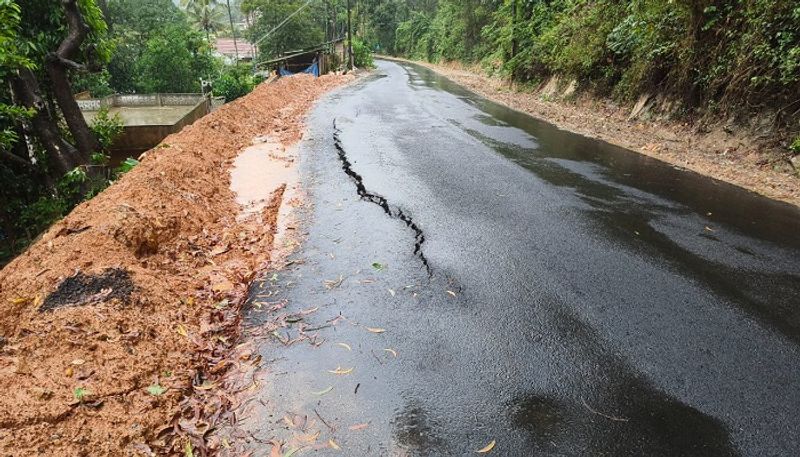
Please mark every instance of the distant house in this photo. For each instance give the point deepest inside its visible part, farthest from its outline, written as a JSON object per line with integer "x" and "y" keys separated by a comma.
{"x": 225, "y": 48}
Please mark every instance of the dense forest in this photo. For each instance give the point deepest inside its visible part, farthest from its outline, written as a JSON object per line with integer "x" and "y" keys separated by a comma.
{"x": 714, "y": 57}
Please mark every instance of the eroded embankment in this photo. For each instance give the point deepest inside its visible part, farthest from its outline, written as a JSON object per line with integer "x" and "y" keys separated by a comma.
{"x": 118, "y": 322}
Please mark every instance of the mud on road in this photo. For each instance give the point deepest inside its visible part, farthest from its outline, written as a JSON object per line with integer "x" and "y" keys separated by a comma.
{"x": 118, "y": 321}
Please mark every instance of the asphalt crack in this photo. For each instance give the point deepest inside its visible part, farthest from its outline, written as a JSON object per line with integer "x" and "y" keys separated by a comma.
{"x": 393, "y": 211}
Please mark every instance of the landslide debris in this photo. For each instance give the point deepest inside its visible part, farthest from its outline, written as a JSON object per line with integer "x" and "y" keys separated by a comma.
{"x": 141, "y": 287}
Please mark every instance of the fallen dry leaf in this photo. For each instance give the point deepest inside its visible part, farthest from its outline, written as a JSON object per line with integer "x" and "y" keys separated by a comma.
{"x": 488, "y": 448}
{"x": 451, "y": 293}
{"x": 331, "y": 284}
{"x": 333, "y": 445}
{"x": 182, "y": 330}
{"x": 323, "y": 391}
{"x": 340, "y": 370}
{"x": 309, "y": 438}
{"x": 206, "y": 386}
{"x": 391, "y": 351}
{"x": 345, "y": 345}
{"x": 222, "y": 286}
{"x": 375, "y": 330}
{"x": 357, "y": 427}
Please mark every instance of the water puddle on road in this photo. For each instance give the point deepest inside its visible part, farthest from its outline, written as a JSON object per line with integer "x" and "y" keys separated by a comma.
{"x": 258, "y": 173}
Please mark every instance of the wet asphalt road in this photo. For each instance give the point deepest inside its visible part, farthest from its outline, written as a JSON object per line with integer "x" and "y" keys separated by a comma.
{"x": 605, "y": 303}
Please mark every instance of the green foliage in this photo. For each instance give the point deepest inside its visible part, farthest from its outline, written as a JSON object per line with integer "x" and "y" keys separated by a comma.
{"x": 98, "y": 84}
{"x": 304, "y": 30}
{"x": 125, "y": 167}
{"x": 156, "y": 390}
{"x": 144, "y": 17}
{"x": 795, "y": 146}
{"x": 106, "y": 128}
{"x": 206, "y": 15}
{"x": 362, "y": 56}
{"x": 413, "y": 38}
{"x": 80, "y": 393}
{"x": 174, "y": 60}
{"x": 730, "y": 53}
{"x": 12, "y": 51}
{"x": 157, "y": 50}
{"x": 12, "y": 56}
{"x": 234, "y": 81}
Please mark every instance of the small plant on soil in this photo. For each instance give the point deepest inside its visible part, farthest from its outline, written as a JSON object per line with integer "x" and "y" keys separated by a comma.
{"x": 795, "y": 147}
{"x": 156, "y": 390}
{"x": 80, "y": 394}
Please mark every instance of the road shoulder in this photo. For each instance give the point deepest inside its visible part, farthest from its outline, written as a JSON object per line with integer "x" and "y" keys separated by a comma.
{"x": 735, "y": 158}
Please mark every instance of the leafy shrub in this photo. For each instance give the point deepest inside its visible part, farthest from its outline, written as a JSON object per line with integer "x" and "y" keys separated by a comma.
{"x": 174, "y": 60}
{"x": 125, "y": 166}
{"x": 235, "y": 81}
{"x": 106, "y": 128}
{"x": 795, "y": 147}
{"x": 731, "y": 54}
{"x": 362, "y": 56}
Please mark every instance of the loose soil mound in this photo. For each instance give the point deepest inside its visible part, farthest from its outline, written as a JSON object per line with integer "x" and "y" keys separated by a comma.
{"x": 125, "y": 311}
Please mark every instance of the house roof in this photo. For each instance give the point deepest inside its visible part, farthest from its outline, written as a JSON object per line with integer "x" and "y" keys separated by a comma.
{"x": 225, "y": 47}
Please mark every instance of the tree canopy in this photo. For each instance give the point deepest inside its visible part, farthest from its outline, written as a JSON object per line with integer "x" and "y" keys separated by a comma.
{"x": 707, "y": 53}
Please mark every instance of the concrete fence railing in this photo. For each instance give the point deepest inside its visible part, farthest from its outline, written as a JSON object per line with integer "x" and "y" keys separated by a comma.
{"x": 133, "y": 100}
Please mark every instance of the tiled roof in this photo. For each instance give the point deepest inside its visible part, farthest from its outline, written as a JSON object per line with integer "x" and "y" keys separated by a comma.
{"x": 225, "y": 47}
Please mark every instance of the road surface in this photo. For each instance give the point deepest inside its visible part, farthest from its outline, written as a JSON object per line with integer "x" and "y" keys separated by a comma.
{"x": 551, "y": 293}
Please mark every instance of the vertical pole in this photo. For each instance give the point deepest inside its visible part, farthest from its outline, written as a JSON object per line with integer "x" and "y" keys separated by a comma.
{"x": 327, "y": 22}
{"x": 350, "y": 59}
{"x": 233, "y": 31}
{"x": 514, "y": 42}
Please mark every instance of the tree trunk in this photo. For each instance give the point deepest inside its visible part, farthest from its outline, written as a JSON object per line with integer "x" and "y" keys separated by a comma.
{"x": 7, "y": 226}
{"x": 57, "y": 65}
{"x": 62, "y": 156}
{"x": 350, "y": 58}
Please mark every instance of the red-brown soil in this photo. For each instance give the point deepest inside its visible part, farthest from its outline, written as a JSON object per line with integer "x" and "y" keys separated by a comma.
{"x": 150, "y": 276}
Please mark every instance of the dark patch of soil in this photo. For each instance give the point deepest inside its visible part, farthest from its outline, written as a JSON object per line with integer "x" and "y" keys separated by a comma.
{"x": 82, "y": 289}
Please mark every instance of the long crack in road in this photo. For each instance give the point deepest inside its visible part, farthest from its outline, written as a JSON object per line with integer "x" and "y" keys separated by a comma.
{"x": 586, "y": 300}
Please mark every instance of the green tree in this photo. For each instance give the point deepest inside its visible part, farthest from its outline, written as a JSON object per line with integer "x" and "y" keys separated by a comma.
{"x": 174, "y": 60}
{"x": 58, "y": 40}
{"x": 234, "y": 81}
{"x": 156, "y": 48}
{"x": 207, "y": 15}
{"x": 305, "y": 29}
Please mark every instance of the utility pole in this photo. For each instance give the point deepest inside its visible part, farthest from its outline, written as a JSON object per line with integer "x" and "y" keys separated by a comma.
{"x": 327, "y": 21}
{"x": 350, "y": 59}
{"x": 233, "y": 31}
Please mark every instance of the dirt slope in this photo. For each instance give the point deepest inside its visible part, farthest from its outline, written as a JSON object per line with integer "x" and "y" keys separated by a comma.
{"x": 123, "y": 313}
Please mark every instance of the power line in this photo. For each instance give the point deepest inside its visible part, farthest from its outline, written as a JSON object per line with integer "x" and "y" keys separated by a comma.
{"x": 308, "y": 2}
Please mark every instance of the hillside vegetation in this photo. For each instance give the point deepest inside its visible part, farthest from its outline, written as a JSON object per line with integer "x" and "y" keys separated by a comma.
{"x": 712, "y": 58}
